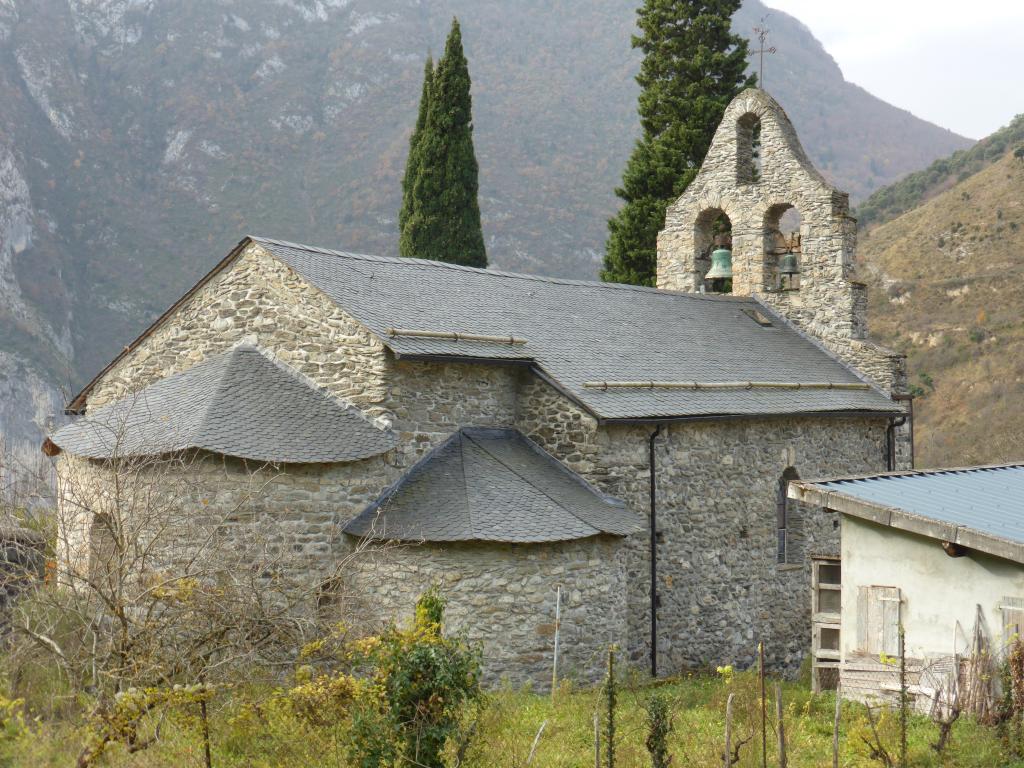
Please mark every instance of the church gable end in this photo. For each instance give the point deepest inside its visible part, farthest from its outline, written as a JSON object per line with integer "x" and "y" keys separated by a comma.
{"x": 255, "y": 299}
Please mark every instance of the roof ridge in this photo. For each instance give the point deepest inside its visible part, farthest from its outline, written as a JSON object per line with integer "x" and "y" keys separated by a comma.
{"x": 306, "y": 381}
{"x": 224, "y": 363}
{"x": 529, "y": 482}
{"x": 726, "y": 298}
{"x": 461, "y": 436}
{"x": 226, "y": 360}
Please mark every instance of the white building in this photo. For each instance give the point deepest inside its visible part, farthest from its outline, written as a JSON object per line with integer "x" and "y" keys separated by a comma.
{"x": 940, "y": 552}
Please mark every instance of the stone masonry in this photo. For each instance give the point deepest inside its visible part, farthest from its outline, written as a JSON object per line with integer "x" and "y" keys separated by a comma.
{"x": 502, "y": 597}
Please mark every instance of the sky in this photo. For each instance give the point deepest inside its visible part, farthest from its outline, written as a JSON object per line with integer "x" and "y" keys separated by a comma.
{"x": 954, "y": 63}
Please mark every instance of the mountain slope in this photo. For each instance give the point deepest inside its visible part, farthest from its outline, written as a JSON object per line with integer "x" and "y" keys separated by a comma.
{"x": 947, "y": 287}
{"x": 914, "y": 189}
{"x": 140, "y": 140}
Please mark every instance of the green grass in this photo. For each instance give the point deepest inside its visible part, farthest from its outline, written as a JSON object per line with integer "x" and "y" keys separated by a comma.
{"x": 252, "y": 728}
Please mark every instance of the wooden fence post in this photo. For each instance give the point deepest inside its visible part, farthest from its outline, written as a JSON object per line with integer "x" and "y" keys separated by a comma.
{"x": 781, "y": 725}
{"x": 764, "y": 723}
{"x": 728, "y": 731}
{"x": 558, "y": 627}
{"x": 835, "y": 729}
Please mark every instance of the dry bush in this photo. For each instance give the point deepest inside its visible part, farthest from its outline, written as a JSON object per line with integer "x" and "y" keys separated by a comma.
{"x": 173, "y": 576}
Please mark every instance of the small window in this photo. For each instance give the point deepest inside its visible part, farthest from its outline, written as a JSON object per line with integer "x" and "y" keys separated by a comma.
{"x": 759, "y": 317}
{"x": 785, "y": 551}
{"x": 878, "y": 620}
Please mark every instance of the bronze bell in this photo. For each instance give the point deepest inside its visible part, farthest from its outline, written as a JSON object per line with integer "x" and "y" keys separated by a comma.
{"x": 721, "y": 264}
{"x": 788, "y": 264}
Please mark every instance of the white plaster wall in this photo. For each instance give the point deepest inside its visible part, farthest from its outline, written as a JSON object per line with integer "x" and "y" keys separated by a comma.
{"x": 936, "y": 590}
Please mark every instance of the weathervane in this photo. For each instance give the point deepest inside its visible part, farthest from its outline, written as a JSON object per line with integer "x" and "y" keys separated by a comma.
{"x": 761, "y": 30}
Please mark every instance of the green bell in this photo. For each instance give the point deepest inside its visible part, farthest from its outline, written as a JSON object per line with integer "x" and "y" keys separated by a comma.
{"x": 788, "y": 265}
{"x": 721, "y": 264}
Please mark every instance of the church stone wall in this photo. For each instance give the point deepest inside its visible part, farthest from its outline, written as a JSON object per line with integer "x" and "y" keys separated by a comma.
{"x": 297, "y": 511}
{"x": 428, "y": 401}
{"x": 720, "y": 585}
{"x": 503, "y": 597}
{"x": 261, "y": 301}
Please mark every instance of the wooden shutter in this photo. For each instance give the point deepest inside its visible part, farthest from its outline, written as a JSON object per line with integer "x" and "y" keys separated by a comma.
{"x": 1012, "y": 609}
{"x": 878, "y": 620}
{"x": 889, "y": 597}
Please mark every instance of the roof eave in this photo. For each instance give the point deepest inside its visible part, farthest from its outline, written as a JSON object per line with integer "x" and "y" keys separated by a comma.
{"x": 901, "y": 519}
{"x": 854, "y": 413}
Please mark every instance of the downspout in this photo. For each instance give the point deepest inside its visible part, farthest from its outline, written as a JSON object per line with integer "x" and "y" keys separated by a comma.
{"x": 909, "y": 400}
{"x": 652, "y": 467}
{"x": 890, "y": 441}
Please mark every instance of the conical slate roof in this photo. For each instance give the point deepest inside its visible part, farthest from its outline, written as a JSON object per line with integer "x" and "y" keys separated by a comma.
{"x": 239, "y": 403}
{"x": 491, "y": 485}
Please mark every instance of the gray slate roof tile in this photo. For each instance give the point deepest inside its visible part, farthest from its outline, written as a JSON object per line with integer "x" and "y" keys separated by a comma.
{"x": 485, "y": 484}
{"x": 239, "y": 403}
{"x": 578, "y": 331}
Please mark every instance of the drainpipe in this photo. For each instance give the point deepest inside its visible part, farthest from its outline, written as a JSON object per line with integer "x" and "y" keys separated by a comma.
{"x": 890, "y": 441}
{"x": 909, "y": 400}
{"x": 652, "y": 467}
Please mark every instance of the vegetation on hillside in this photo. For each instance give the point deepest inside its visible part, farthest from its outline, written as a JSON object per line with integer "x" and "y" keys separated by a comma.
{"x": 947, "y": 280}
{"x": 916, "y": 188}
{"x": 692, "y": 68}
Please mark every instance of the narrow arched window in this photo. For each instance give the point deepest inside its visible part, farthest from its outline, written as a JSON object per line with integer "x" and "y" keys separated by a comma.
{"x": 748, "y": 149}
{"x": 784, "y": 521}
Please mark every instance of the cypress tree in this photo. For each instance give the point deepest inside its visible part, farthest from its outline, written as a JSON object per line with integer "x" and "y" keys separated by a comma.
{"x": 692, "y": 68}
{"x": 412, "y": 163}
{"x": 443, "y": 220}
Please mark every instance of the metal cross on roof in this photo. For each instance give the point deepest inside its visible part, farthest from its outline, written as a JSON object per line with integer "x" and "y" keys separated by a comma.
{"x": 761, "y": 30}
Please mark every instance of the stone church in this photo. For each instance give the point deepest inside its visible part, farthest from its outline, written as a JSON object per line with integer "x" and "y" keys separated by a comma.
{"x": 526, "y": 436}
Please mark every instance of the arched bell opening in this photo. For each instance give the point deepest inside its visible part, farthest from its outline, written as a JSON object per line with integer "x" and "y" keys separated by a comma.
{"x": 782, "y": 246}
{"x": 713, "y": 240}
{"x": 748, "y": 149}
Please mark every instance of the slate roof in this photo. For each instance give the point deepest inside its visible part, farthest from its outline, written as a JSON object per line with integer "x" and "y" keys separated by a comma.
{"x": 577, "y": 332}
{"x": 491, "y": 485}
{"x": 987, "y": 499}
{"x": 238, "y": 403}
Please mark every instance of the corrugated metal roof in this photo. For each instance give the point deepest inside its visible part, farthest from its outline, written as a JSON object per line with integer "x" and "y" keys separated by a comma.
{"x": 986, "y": 499}
{"x": 486, "y": 484}
{"x": 238, "y": 403}
{"x": 578, "y": 331}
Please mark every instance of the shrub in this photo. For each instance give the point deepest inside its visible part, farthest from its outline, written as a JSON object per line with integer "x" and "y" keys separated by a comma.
{"x": 405, "y": 691}
{"x": 659, "y": 726}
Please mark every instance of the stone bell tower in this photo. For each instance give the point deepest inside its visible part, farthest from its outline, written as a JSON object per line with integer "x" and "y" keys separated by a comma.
{"x": 754, "y": 172}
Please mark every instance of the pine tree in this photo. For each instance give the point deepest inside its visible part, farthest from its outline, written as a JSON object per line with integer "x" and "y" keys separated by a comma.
{"x": 443, "y": 219}
{"x": 692, "y": 68}
{"x": 412, "y": 163}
